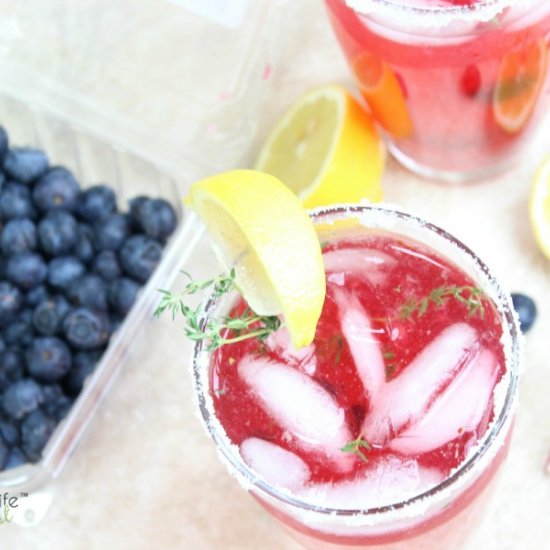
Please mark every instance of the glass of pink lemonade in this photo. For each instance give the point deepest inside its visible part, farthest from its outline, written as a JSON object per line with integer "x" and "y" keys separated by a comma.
{"x": 456, "y": 86}
{"x": 388, "y": 429}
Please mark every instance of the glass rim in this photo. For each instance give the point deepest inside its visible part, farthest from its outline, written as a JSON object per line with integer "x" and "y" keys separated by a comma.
{"x": 228, "y": 451}
{"x": 453, "y": 8}
{"x": 434, "y": 18}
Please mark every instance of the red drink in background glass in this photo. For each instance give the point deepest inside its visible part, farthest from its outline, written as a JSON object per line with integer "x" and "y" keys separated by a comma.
{"x": 388, "y": 428}
{"x": 457, "y": 86}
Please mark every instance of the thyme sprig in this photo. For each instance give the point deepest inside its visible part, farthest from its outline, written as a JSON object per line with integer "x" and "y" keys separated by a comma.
{"x": 357, "y": 447}
{"x": 217, "y": 332}
{"x": 175, "y": 302}
{"x": 470, "y": 296}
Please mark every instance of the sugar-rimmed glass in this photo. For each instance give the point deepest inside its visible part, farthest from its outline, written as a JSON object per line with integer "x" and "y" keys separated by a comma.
{"x": 434, "y": 519}
{"x": 458, "y": 90}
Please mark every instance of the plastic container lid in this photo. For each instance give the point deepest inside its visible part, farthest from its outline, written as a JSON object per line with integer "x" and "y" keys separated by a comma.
{"x": 181, "y": 82}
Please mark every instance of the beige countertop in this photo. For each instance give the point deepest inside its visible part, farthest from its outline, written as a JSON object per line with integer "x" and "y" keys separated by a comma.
{"x": 147, "y": 476}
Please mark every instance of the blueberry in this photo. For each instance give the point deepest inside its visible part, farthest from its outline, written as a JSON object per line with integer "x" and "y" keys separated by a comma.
{"x": 21, "y": 398}
{"x": 155, "y": 217}
{"x": 122, "y": 294}
{"x": 106, "y": 265}
{"x": 85, "y": 329}
{"x": 18, "y": 235}
{"x": 57, "y": 189}
{"x": 62, "y": 271}
{"x": 4, "y": 451}
{"x": 58, "y": 233}
{"x": 48, "y": 359}
{"x": 60, "y": 408}
{"x": 16, "y": 457}
{"x": 135, "y": 204}
{"x": 111, "y": 232}
{"x": 51, "y": 392}
{"x": 139, "y": 256}
{"x": 96, "y": 203}
{"x": 25, "y": 164}
{"x": 56, "y": 403}
{"x": 36, "y": 430}
{"x": 9, "y": 431}
{"x": 19, "y": 332}
{"x": 48, "y": 316}
{"x": 26, "y": 270}
{"x": 10, "y": 301}
{"x": 4, "y": 381}
{"x": 84, "y": 249}
{"x": 36, "y": 295}
{"x": 3, "y": 144}
{"x": 12, "y": 365}
{"x": 88, "y": 291}
{"x": 2, "y": 344}
{"x": 526, "y": 309}
{"x": 84, "y": 363}
{"x": 16, "y": 202}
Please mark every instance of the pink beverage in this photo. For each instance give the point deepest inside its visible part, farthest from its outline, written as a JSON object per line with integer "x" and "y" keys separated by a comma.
{"x": 391, "y": 424}
{"x": 457, "y": 86}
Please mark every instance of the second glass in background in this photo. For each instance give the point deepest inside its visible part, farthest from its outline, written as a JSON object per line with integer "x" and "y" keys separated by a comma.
{"x": 457, "y": 89}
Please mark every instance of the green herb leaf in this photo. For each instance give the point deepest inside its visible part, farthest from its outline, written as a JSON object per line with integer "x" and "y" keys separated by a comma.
{"x": 470, "y": 296}
{"x": 357, "y": 447}
{"x": 218, "y": 333}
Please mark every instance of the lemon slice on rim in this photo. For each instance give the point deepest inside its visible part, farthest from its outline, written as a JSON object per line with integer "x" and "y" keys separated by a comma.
{"x": 539, "y": 207}
{"x": 260, "y": 228}
{"x": 326, "y": 149}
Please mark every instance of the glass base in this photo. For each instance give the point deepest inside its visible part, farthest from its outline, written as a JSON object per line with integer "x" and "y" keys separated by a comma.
{"x": 448, "y": 176}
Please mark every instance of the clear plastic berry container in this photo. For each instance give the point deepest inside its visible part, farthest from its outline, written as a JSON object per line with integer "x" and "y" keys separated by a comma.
{"x": 100, "y": 91}
{"x": 93, "y": 160}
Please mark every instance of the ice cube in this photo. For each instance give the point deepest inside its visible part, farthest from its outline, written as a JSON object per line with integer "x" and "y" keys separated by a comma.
{"x": 365, "y": 262}
{"x": 301, "y": 406}
{"x": 275, "y": 464}
{"x": 279, "y": 343}
{"x": 362, "y": 341}
{"x": 387, "y": 480}
{"x": 404, "y": 400}
{"x": 460, "y": 408}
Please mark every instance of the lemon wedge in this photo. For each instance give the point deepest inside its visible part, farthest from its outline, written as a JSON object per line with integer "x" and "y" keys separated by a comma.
{"x": 539, "y": 207}
{"x": 325, "y": 148}
{"x": 260, "y": 228}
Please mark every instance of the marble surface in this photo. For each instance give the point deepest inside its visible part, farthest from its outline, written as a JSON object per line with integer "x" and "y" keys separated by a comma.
{"x": 147, "y": 476}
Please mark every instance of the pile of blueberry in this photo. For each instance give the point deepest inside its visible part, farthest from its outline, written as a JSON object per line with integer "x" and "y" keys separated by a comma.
{"x": 71, "y": 265}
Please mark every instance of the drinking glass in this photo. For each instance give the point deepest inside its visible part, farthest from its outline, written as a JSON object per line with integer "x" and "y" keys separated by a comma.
{"x": 441, "y": 517}
{"x": 457, "y": 87}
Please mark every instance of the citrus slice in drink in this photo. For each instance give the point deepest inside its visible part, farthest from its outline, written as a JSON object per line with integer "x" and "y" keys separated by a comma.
{"x": 519, "y": 84}
{"x": 539, "y": 207}
{"x": 260, "y": 229}
{"x": 384, "y": 94}
{"x": 326, "y": 150}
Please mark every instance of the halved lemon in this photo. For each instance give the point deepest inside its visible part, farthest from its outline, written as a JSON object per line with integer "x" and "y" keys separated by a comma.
{"x": 539, "y": 207}
{"x": 325, "y": 148}
{"x": 519, "y": 84}
{"x": 260, "y": 228}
